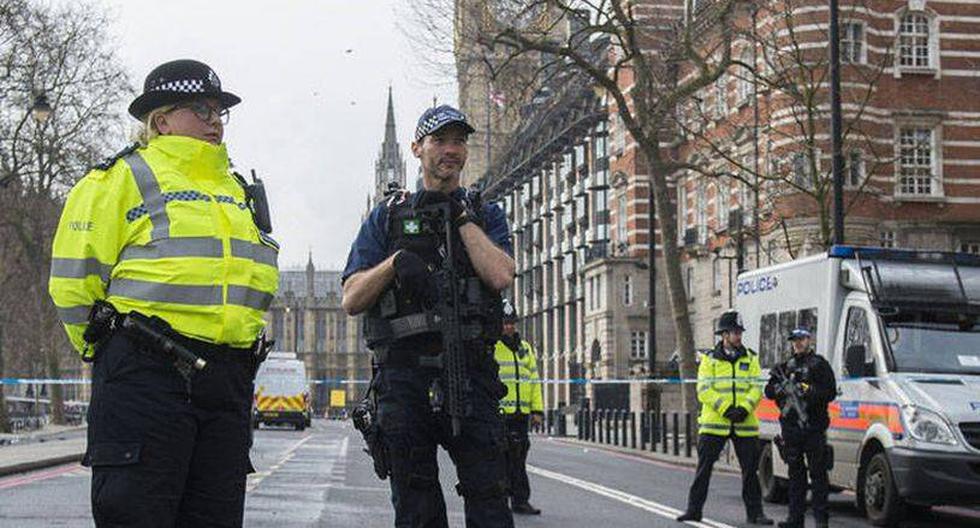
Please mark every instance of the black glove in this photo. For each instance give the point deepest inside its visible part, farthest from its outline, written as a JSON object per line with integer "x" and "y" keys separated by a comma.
{"x": 456, "y": 209}
{"x": 736, "y": 414}
{"x": 411, "y": 271}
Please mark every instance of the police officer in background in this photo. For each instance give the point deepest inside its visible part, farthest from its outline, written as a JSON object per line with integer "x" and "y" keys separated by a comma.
{"x": 729, "y": 394}
{"x": 810, "y": 377}
{"x": 389, "y": 274}
{"x": 522, "y": 405}
{"x": 162, "y": 248}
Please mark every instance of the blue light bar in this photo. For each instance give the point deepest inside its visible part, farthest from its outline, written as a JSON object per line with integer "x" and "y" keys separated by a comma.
{"x": 879, "y": 253}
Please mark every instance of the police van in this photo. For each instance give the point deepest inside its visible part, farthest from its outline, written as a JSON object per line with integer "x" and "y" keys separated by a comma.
{"x": 282, "y": 392}
{"x": 900, "y": 329}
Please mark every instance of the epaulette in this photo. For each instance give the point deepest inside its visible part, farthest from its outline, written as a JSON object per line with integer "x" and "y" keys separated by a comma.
{"x": 107, "y": 163}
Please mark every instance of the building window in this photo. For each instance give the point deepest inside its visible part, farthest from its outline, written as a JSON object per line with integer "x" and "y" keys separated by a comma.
{"x": 887, "y": 239}
{"x": 621, "y": 219}
{"x": 702, "y": 211}
{"x": 852, "y": 43}
{"x": 716, "y": 276}
{"x": 915, "y": 157}
{"x": 722, "y": 204}
{"x": 914, "y": 44}
{"x": 627, "y": 290}
{"x": 970, "y": 247}
{"x": 854, "y": 169}
{"x": 638, "y": 345}
{"x": 745, "y": 80}
{"x": 721, "y": 96}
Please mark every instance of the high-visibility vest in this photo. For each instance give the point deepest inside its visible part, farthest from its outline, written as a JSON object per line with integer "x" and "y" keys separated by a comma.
{"x": 723, "y": 383}
{"x": 165, "y": 230}
{"x": 519, "y": 372}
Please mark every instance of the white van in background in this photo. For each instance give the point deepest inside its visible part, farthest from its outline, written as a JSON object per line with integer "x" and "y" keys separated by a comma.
{"x": 901, "y": 331}
{"x": 282, "y": 392}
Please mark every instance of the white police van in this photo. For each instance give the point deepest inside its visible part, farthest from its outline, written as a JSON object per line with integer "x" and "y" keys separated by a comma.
{"x": 900, "y": 329}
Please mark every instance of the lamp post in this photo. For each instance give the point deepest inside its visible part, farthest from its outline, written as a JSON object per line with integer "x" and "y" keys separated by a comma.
{"x": 40, "y": 110}
{"x": 725, "y": 253}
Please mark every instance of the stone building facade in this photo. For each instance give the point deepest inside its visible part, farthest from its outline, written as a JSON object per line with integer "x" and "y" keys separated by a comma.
{"x": 306, "y": 318}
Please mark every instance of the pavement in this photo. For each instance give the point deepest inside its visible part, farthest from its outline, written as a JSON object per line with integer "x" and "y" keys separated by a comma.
{"x": 320, "y": 477}
{"x": 51, "y": 446}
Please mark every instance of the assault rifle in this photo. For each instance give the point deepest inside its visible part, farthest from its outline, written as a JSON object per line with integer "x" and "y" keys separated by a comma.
{"x": 792, "y": 397}
{"x": 450, "y": 392}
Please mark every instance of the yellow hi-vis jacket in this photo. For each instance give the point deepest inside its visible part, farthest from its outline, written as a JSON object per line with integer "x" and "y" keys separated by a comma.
{"x": 165, "y": 230}
{"x": 519, "y": 372}
{"x": 724, "y": 382}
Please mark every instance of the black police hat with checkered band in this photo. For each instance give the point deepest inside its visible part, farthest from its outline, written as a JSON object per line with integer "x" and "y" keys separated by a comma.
{"x": 438, "y": 117}
{"x": 176, "y": 81}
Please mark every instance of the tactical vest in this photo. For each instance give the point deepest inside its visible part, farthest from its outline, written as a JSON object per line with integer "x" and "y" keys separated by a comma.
{"x": 403, "y": 321}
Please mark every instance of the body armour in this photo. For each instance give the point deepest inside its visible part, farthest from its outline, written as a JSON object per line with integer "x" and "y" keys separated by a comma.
{"x": 401, "y": 320}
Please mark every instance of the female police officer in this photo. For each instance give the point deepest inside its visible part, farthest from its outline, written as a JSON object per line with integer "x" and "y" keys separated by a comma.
{"x": 164, "y": 229}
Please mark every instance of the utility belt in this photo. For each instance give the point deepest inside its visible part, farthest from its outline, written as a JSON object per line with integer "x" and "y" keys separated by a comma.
{"x": 187, "y": 354}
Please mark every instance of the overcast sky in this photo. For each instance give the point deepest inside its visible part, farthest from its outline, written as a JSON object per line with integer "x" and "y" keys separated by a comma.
{"x": 312, "y": 117}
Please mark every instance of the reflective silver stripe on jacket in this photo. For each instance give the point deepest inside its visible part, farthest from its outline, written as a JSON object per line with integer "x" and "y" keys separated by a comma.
{"x": 70, "y": 268}
{"x": 74, "y": 314}
{"x": 252, "y": 298}
{"x": 258, "y": 252}
{"x": 165, "y": 293}
{"x": 152, "y": 197}
{"x": 201, "y": 247}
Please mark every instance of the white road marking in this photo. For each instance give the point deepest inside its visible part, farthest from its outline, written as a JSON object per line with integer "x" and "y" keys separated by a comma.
{"x": 638, "y": 502}
{"x": 256, "y": 478}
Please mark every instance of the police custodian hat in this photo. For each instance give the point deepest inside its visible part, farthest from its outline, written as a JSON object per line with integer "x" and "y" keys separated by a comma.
{"x": 730, "y": 321}
{"x": 176, "y": 81}
{"x": 510, "y": 314}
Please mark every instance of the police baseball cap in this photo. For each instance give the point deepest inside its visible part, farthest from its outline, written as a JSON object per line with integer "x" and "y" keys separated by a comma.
{"x": 439, "y": 117}
{"x": 176, "y": 81}
{"x": 799, "y": 333}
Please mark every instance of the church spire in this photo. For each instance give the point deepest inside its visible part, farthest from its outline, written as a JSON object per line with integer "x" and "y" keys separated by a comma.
{"x": 391, "y": 142}
{"x": 389, "y": 167}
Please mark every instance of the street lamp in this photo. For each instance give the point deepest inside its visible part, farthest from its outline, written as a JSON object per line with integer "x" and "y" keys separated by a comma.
{"x": 41, "y": 110}
{"x": 728, "y": 252}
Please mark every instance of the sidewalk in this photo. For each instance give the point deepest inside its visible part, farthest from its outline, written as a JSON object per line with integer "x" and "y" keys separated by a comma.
{"x": 41, "y": 449}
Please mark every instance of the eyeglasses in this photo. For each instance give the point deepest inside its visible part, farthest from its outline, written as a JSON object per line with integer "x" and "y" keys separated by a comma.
{"x": 206, "y": 112}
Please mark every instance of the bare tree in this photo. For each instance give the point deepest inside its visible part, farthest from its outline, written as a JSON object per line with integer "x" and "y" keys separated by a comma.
{"x": 772, "y": 133}
{"x": 63, "y": 54}
{"x": 639, "y": 77}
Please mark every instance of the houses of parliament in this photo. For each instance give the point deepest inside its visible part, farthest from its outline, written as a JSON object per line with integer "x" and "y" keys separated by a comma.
{"x": 306, "y": 317}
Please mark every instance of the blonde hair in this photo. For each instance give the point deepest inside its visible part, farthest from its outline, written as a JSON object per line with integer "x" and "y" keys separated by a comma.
{"x": 148, "y": 129}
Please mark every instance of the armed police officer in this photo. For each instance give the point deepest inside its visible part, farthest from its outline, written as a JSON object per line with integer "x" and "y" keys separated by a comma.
{"x": 803, "y": 386}
{"x": 162, "y": 271}
{"x": 729, "y": 393}
{"x": 522, "y": 405}
{"x": 415, "y": 256}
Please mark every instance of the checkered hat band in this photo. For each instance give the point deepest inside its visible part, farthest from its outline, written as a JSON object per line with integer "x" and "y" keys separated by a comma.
{"x": 182, "y": 86}
{"x": 435, "y": 122}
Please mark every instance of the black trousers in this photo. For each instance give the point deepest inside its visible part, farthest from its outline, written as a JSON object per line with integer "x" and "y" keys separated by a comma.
{"x": 518, "y": 445}
{"x": 411, "y": 433}
{"x": 811, "y": 445}
{"x": 709, "y": 449}
{"x": 161, "y": 457}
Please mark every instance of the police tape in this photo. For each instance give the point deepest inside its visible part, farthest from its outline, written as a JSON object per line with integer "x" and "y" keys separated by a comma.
{"x": 556, "y": 381}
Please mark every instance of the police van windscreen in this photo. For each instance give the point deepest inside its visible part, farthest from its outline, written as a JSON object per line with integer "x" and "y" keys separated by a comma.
{"x": 934, "y": 342}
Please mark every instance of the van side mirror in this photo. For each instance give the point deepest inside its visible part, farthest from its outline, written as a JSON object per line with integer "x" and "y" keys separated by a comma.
{"x": 855, "y": 364}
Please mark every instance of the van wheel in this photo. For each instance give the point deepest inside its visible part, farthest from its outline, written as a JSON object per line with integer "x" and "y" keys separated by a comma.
{"x": 774, "y": 489}
{"x": 878, "y": 494}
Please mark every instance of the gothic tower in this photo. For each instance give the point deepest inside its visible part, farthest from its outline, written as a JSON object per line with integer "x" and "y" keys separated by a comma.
{"x": 389, "y": 167}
